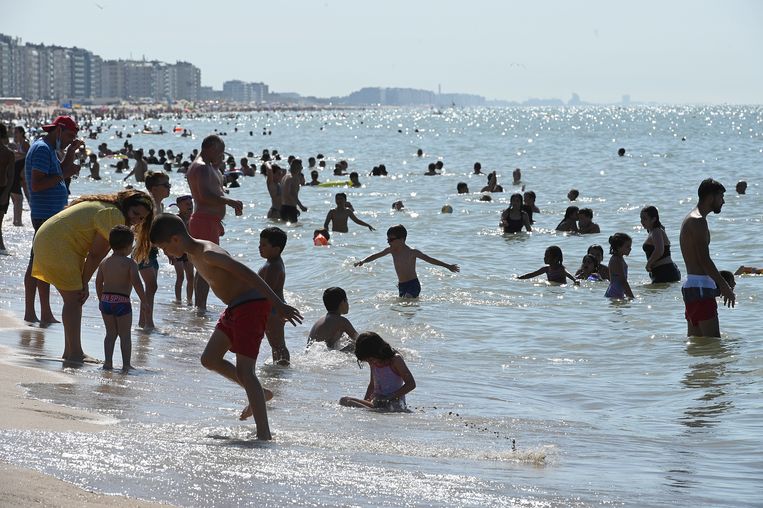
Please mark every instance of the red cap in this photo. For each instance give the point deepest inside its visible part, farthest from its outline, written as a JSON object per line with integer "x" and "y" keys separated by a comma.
{"x": 62, "y": 121}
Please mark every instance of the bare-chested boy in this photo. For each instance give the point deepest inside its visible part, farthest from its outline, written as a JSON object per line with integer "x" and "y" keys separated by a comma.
{"x": 404, "y": 258}
{"x": 704, "y": 281}
{"x": 241, "y": 326}
{"x": 338, "y": 216}
{"x": 290, "y": 185}
{"x": 274, "y": 175}
{"x": 273, "y": 272}
{"x": 117, "y": 275}
{"x": 331, "y": 327}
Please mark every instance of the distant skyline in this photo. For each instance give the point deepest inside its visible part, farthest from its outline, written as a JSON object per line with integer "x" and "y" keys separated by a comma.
{"x": 671, "y": 52}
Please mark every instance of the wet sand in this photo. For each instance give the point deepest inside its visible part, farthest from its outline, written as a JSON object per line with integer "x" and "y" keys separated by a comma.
{"x": 25, "y": 487}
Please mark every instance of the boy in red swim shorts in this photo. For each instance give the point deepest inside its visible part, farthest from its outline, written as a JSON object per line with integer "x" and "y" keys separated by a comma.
{"x": 241, "y": 326}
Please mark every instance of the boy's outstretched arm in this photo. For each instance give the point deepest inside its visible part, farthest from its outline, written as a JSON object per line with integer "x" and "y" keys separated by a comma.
{"x": 433, "y": 261}
{"x": 360, "y": 222}
{"x": 243, "y": 272}
{"x": 539, "y": 271}
{"x": 373, "y": 257}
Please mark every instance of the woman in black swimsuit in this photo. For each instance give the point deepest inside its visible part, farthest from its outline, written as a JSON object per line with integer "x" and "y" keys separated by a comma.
{"x": 660, "y": 266}
{"x": 513, "y": 219}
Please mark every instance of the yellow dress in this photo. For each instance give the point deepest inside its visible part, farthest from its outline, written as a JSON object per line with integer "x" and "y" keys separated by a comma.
{"x": 63, "y": 242}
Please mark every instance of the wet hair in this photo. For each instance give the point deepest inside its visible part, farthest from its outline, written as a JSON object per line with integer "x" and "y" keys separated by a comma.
{"x": 571, "y": 210}
{"x": 398, "y": 231}
{"x": 275, "y": 236}
{"x": 462, "y": 188}
{"x": 555, "y": 252}
{"x": 486, "y": 197}
{"x": 371, "y": 345}
{"x": 244, "y": 161}
{"x": 617, "y": 241}
{"x": 342, "y": 194}
{"x": 295, "y": 164}
{"x": 728, "y": 277}
{"x": 212, "y": 141}
{"x": 354, "y": 174}
{"x": 652, "y": 213}
{"x": 596, "y": 247}
{"x": 124, "y": 200}
{"x": 120, "y": 237}
{"x": 477, "y": 165}
{"x": 530, "y": 194}
{"x": 709, "y": 187}
{"x": 314, "y": 174}
{"x": 333, "y": 297}
{"x": 518, "y": 196}
{"x": 154, "y": 178}
{"x": 586, "y": 212}
{"x": 621, "y": 152}
{"x": 588, "y": 258}
{"x": 575, "y": 193}
{"x": 165, "y": 226}
{"x": 431, "y": 166}
{"x": 322, "y": 231}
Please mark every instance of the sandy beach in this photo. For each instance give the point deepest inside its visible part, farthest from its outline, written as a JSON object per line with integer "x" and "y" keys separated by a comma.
{"x": 21, "y": 487}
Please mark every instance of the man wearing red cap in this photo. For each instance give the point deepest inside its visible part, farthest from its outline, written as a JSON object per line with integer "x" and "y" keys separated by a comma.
{"x": 48, "y": 195}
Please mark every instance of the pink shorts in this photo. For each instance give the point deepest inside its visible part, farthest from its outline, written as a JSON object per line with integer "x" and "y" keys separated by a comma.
{"x": 244, "y": 324}
{"x": 205, "y": 226}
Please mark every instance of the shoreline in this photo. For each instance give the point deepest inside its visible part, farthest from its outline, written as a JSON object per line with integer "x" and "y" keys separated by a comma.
{"x": 26, "y": 487}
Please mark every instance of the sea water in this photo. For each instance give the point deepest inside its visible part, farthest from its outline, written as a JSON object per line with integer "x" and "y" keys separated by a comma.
{"x": 528, "y": 394}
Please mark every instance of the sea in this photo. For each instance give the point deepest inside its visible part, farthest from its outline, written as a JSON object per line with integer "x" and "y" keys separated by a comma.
{"x": 528, "y": 394}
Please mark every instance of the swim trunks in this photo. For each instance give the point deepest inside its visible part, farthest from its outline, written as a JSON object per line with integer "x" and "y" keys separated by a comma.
{"x": 205, "y": 226}
{"x": 409, "y": 289}
{"x": 699, "y": 293}
{"x": 152, "y": 261}
{"x": 115, "y": 304}
{"x": 289, "y": 213}
{"x": 244, "y": 324}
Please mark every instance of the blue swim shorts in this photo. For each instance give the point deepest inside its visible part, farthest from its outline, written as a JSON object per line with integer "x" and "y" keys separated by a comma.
{"x": 409, "y": 289}
{"x": 115, "y": 304}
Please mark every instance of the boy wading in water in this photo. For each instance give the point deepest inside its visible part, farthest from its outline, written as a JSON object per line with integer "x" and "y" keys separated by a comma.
{"x": 241, "y": 326}
{"x": 404, "y": 258}
{"x": 273, "y": 272}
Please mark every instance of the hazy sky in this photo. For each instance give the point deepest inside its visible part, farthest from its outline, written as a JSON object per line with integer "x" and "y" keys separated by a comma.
{"x": 666, "y": 51}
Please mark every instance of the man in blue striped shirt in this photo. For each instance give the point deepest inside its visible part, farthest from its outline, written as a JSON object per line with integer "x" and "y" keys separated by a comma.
{"x": 48, "y": 195}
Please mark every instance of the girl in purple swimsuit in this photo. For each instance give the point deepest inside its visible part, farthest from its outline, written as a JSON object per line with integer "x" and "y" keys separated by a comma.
{"x": 619, "y": 247}
{"x": 390, "y": 377}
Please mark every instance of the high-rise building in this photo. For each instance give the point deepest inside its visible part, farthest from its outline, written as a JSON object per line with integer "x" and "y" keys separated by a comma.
{"x": 8, "y": 66}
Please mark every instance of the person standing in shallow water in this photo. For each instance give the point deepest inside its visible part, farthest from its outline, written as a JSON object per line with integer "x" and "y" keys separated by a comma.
{"x": 659, "y": 264}
{"x": 48, "y": 195}
{"x": 704, "y": 282}
{"x": 206, "y": 183}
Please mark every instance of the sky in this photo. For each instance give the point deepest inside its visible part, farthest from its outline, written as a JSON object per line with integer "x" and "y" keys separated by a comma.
{"x": 667, "y": 51}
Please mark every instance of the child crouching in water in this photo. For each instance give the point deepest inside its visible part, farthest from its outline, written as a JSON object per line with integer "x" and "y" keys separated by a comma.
{"x": 589, "y": 269}
{"x": 390, "y": 377}
{"x": 554, "y": 269}
{"x": 117, "y": 275}
{"x": 619, "y": 247}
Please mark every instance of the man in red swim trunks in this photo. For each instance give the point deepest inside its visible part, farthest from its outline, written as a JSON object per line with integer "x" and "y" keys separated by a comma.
{"x": 704, "y": 282}
{"x": 206, "y": 182}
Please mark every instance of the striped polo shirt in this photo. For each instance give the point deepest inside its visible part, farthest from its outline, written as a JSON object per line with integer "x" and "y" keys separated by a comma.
{"x": 45, "y": 204}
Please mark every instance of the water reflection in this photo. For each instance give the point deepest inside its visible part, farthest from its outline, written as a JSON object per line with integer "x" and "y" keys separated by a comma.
{"x": 708, "y": 376}
{"x": 32, "y": 341}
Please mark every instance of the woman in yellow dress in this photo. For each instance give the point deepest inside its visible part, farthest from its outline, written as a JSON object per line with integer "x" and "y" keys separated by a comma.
{"x": 70, "y": 245}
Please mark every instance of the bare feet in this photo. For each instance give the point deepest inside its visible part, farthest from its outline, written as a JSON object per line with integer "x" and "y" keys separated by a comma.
{"x": 31, "y": 318}
{"x": 247, "y": 412}
{"x": 48, "y": 320}
{"x": 82, "y": 359}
